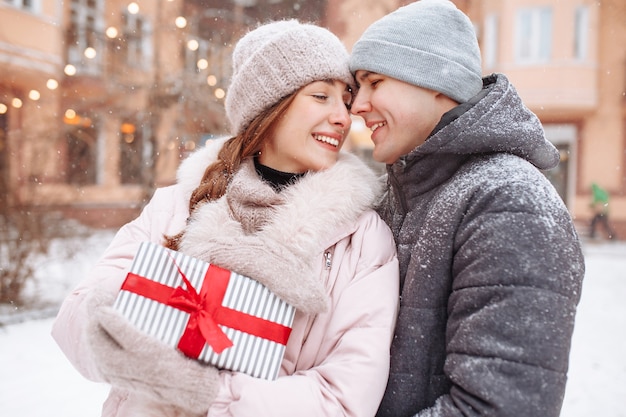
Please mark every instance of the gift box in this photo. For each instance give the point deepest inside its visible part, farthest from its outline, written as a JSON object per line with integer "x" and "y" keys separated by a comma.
{"x": 209, "y": 313}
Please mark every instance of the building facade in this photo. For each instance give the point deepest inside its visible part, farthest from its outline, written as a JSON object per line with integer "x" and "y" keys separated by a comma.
{"x": 29, "y": 102}
{"x": 84, "y": 144}
{"x": 121, "y": 92}
{"x": 101, "y": 100}
{"x": 567, "y": 59}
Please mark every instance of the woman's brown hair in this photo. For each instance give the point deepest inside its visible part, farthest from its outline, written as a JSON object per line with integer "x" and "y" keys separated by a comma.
{"x": 246, "y": 144}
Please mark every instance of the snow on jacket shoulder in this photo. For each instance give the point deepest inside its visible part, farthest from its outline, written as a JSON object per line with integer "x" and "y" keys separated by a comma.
{"x": 336, "y": 362}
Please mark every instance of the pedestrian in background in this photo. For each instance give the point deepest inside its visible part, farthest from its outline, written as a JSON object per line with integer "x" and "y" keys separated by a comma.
{"x": 600, "y": 208}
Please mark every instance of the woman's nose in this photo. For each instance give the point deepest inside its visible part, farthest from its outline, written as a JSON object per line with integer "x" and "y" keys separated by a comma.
{"x": 341, "y": 116}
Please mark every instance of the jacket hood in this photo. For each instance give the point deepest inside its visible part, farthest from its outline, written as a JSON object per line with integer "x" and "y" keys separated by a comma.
{"x": 497, "y": 121}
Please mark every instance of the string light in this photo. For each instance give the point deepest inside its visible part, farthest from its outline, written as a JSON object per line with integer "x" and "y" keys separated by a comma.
{"x": 69, "y": 70}
{"x": 202, "y": 64}
{"x": 133, "y": 8}
{"x": 34, "y": 95}
{"x": 90, "y": 53}
{"x": 180, "y": 22}
{"x": 193, "y": 45}
{"x": 111, "y": 32}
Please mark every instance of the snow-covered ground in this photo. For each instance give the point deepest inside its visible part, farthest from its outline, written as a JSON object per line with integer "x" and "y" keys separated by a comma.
{"x": 36, "y": 379}
{"x": 597, "y": 377}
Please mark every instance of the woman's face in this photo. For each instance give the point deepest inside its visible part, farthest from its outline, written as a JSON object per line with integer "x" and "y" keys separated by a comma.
{"x": 312, "y": 131}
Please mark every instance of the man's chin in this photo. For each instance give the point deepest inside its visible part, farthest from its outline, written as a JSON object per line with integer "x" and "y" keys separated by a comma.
{"x": 384, "y": 159}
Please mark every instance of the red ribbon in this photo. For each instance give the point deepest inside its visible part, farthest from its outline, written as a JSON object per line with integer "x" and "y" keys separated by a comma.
{"x": 206, "y": 311}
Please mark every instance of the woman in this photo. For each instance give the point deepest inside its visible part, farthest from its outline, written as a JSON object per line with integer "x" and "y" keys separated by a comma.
{"x": 277, "y": 202}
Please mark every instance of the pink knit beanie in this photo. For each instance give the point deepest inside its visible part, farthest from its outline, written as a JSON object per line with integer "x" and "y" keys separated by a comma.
{"x": 276, "y": 59}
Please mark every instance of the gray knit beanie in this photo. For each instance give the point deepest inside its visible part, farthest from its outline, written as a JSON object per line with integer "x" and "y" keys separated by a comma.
{"x": 429, "y": 43}
{"x": 276, "y": 59}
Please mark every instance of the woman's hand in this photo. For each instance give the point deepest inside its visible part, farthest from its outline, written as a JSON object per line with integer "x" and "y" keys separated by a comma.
{"x": 134, "y": 361}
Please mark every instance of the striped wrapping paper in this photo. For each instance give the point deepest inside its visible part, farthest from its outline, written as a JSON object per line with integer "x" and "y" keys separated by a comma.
{"x": 248, "y": 315}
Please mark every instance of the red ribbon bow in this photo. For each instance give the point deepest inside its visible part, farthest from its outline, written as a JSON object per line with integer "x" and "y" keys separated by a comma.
{"x": 201, "y": 327}
{"x": 206, "y": 311}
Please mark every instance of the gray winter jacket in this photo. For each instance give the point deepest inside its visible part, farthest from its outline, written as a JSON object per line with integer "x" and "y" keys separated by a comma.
{"x": 492, "y": 267}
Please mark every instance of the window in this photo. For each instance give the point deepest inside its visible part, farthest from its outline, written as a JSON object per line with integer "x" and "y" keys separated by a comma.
{"x": 81, "y": 155}
{"x": 563, "y": 176}
{"x": 491, "y": 41}
{"x": 85, "y": 29}
{"x": 4, "y": 156}
{"x": 208, "y": 52}
{"x": 581, "y": 32}
{"x": 534, "y": 35}
{"x": 195, "y": 52}
{"x": 137, "y": 45}
{"x": 131, "y": 152}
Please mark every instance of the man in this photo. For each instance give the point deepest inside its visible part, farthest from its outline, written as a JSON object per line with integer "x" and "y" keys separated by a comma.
{"x": 490, "y": 263}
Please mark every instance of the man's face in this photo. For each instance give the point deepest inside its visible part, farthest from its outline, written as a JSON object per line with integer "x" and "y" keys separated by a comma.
{"x": 400, "y": 115}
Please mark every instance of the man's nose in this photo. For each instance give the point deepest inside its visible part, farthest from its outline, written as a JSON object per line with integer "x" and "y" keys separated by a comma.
{"x": 360, "y": 104}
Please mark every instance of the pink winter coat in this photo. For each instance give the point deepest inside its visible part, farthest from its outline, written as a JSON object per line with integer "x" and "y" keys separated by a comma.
{"x": 318, "y": 245}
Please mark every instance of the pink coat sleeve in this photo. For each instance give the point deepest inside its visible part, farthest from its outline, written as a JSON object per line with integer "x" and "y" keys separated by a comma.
{"x": 343, "y": 363}
{"x": 157, "y": 218}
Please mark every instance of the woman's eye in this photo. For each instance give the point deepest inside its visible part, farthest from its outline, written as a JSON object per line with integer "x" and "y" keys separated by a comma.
{"x": 321, "y": 97}
{"x": 347, "y": 99}
{"x": 374, "y": 83}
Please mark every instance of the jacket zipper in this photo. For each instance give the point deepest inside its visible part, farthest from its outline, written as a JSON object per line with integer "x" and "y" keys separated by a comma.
{"x": 395, "y": 187}
{"x": 328, "y": 259}
{"x": 328, "y": 264}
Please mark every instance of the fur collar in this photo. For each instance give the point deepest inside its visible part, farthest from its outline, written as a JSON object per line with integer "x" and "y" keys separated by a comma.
{"x": 278, "y": 239}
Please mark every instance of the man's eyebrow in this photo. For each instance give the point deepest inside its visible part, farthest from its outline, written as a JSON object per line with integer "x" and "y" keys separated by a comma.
{"x": 363, "y": 75}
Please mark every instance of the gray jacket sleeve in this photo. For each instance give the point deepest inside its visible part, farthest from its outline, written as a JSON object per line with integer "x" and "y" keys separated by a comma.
{"x": 517, "y": 272}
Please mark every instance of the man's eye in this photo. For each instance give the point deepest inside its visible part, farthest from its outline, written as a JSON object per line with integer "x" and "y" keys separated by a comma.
{"x": 374, "y": 83}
